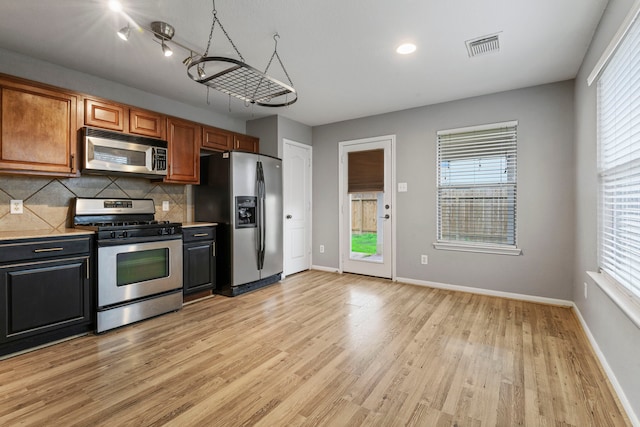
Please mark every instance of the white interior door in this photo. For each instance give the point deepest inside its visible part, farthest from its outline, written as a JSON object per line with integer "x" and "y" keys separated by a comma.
{"x": 366, "y": 243}
{"x": 296, "y": 166}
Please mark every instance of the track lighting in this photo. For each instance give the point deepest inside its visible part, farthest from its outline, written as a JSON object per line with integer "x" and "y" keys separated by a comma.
{"x": 124, "y": 33}
{"x": 166, "y": 49}
{"x": 201, "y": 72}
{"x": 188, "y": 60}
{"x": 229, "y": 75}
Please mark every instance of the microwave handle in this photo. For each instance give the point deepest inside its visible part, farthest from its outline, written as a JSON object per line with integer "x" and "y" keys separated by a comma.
{"x": 153, "y": 158}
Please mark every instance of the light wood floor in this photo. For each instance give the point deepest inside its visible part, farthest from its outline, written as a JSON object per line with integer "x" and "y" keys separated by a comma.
{"x": 322, "y": 349}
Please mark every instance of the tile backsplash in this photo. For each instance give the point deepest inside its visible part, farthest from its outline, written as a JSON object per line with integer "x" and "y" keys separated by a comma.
{"x": 46, "y": 201}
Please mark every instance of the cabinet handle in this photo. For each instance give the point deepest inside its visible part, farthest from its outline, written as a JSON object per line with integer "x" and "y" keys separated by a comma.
{"x": 48, "y": 250}
{"x": 201, "y": 235}
{"x": 73, "y": 163}
{"x": 213, "y": 249}
{"x": 88, "y": 269}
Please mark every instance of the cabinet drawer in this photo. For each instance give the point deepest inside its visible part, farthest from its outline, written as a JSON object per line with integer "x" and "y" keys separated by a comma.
{"x": 29, "y": 250}
{"x": 194, "y": 234}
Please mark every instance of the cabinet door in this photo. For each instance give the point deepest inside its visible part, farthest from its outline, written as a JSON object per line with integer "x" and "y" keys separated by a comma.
{"x": 217, "y": 139}
{"x": 245, "y": 143}
{"x": 147, "y": 123}
{"x": 41, "y": 297}
{"x": 104, "y": 115}
{"x": 184, "y": 151}
{"x": 38, "y": 130}
{"x": 199, "y": 267}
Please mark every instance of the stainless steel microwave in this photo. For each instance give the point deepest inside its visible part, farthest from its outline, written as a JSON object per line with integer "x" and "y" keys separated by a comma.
{"x": 113, "y": 153}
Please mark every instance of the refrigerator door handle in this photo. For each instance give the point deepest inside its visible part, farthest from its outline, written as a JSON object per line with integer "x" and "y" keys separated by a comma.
{"x": 261, "y": 215}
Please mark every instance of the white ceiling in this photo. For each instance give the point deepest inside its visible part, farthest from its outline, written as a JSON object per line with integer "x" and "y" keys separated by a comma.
{"x": 340, "y": 54}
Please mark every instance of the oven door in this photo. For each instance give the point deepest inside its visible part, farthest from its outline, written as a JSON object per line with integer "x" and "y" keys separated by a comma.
{"x": 137, "y": 270}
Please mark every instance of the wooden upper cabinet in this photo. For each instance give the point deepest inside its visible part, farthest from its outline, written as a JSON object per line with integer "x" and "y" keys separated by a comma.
{"x": 246, "y": 143}
{"x": 217, "y": 139}
{"x": 104, "y": 115}
{"x": 147, "y": 123}
{"x": 38, "y": 129}
{"x": 184, "y": 151}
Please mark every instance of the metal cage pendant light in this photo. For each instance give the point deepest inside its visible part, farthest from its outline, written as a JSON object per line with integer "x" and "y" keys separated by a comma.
{"x": 238, "y": 79}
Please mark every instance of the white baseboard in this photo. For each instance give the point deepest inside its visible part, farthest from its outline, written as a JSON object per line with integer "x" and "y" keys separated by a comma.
{"x": 480, "y": 291}
{"x": 607, "y": 369}
{"x": 327, "y": 269}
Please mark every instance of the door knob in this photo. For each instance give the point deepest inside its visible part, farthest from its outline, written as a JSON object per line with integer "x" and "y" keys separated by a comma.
{"x": 289, "y": 217}
{"x": 385, "y": 217}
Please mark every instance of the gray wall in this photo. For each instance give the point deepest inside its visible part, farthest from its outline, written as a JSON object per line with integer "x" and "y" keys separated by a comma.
{"x": 19, "y": 65}
{"x": 267, "y": 130}
{"x": 545, "y": 190}
{"x": 273, "y": 129}
{"x": 617, "y": 337}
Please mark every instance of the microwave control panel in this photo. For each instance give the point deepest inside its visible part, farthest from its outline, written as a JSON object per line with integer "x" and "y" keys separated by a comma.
{"x": 160, "y": 159}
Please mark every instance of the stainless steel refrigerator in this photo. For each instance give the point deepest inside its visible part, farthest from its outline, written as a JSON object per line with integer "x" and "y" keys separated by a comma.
{"x": 242, "y": 192}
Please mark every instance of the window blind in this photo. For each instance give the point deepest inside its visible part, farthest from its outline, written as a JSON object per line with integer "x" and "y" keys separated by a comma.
{"x": 366, "y": 171}
{"x": 619, "y": 163}
{"x": 477, "y": 185}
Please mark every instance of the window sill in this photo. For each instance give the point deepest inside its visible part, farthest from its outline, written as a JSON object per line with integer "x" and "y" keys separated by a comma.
{"x": 628, "y": 303}
{"x": 484, "y": 249}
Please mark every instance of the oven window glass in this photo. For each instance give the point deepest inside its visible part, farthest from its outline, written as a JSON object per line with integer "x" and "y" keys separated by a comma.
{"x": 134, "y": 267}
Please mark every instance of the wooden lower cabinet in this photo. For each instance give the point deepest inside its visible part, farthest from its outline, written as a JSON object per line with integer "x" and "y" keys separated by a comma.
{"x": 38, "y": 129}
{"x": 184, "y": 151}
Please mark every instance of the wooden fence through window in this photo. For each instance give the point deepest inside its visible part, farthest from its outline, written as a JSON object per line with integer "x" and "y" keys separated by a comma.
{"x": 364, "y": 209}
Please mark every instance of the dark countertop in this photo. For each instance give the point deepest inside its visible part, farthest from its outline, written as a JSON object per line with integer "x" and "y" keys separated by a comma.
{"x": 198, "y": 224}
{"x": 31, "y": 234}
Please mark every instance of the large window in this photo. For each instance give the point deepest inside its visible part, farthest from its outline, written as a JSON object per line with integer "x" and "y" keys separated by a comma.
{"x": 619, "y": 163}
{"x": 477, "y": 188}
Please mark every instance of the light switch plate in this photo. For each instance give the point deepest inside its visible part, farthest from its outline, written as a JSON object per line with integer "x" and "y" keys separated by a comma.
{"x": 165, "y": 205}
{"x": 402, "y": 187}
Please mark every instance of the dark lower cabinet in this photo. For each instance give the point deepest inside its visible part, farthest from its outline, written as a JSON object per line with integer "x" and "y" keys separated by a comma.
{"x": 199, "y": 266}
{"x": 45, "y": 296}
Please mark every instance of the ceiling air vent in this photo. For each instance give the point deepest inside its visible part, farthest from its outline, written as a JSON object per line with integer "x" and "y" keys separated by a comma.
{"x": 483, "y": 45}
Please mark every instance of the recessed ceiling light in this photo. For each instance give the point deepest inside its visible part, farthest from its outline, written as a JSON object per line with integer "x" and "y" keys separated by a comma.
{"x": 115, "y": 5}
{"x": 406, "y": 48}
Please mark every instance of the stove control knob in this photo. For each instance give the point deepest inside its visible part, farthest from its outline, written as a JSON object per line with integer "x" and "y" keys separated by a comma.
{"x": 113, "y": 234}
{"x": 172, "y": 230}
{"x": 160, "y": 231}
{"x": 124, "y": 234}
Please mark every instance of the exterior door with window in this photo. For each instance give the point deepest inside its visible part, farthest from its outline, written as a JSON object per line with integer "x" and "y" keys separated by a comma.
{"x": 366, "y": 216}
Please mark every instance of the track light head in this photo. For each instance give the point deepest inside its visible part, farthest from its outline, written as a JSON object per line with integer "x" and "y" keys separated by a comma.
{"x": 166, "y": 49}
{"x": 124, "y": 33}
{"x": 201, "y": 72}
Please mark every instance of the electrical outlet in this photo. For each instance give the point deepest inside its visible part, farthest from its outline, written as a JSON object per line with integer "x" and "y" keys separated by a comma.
{"x": 165, "y": 205}
{"x": 585, "y": 290}
{"x": 16, "y": 207}
{"x": 424, "y": 259}
{"x": 321, "y": 249}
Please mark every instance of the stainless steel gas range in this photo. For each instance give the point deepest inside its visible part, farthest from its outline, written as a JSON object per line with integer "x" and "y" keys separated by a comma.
{"x": 139, "y": 260}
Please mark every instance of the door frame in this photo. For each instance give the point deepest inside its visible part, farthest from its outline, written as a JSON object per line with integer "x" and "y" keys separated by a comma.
{"x": 309, "y": 225}
{"x": 341, "y": 195}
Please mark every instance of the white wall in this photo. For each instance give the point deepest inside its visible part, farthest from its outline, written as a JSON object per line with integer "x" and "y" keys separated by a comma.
{"x": 545, "y": 190}
{"x": 617, "y": 337}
